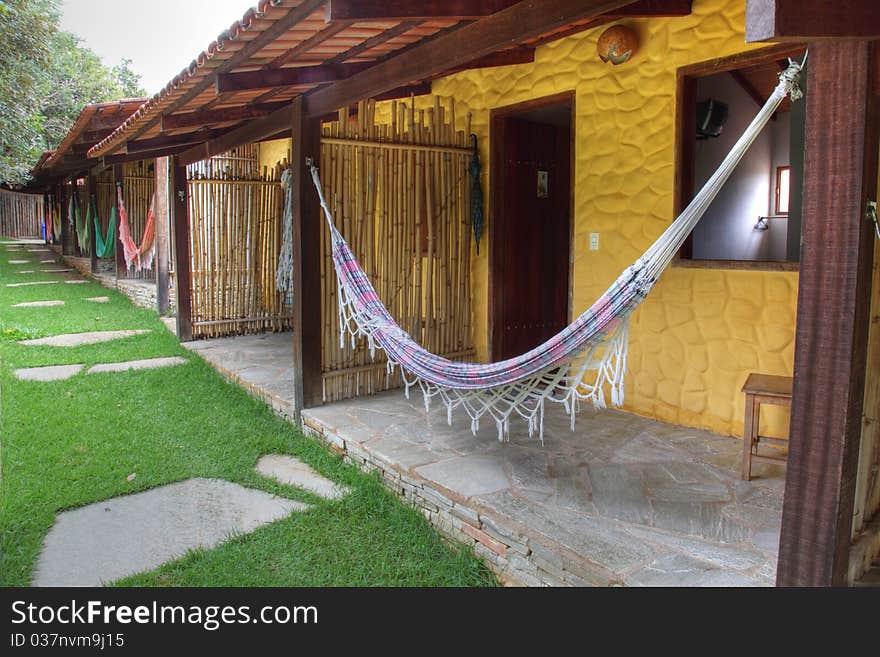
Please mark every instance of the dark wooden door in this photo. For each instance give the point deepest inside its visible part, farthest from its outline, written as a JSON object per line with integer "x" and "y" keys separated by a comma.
{"x": 530, "y": 234}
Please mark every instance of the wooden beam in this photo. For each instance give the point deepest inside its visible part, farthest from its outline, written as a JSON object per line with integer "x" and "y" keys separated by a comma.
{"x": 256, "y": 130}
{"x": 390, "y": 10}
{"x": 519, "y": 22}
{"x": 307, "y": 44}
{"x": 122, "y": 158}
{"x": 840, "y": 176}
{"x": 401, "y": 28}
{"x": 249, "y": 48}
{"x": 172, "y": 141}
{"x": 286, "y": 77}
{"x": 215, "y": 116}
{"x": 518, "y": 55}
{"x": 784, "y": 20}
{"x": 182, "y": 262}
{"x": 653, "y": 9}
{"x": 307, "y": 226}
{"x": 162, "y": 215}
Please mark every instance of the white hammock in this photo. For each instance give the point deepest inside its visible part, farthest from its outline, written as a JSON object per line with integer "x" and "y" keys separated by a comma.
{"x": 556, "y": 371}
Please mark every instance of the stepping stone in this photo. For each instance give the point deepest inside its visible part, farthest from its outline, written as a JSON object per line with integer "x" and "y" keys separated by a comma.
{"x": 146, "y": 364}
{"x": 48, "y": 261}
{"x": 289, "y": 470}
{"x": 32, "y": 283}
{"x": 39, "y": 250}
{"x": 25, "y": 271}
{"x": 79, "y": 339}
{"x": 105, "y": 541}
{"x": 98, "y": 299}
{"x": 75, "y": 282}
{"x": 55, "y": 271}
{"x": 38, "y": 304}
{"x": 19, "y": 262}
{"x": 50, "y": 373}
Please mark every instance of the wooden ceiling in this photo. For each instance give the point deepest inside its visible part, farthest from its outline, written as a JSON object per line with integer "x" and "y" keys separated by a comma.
{"x": 760, "y": 80}
{"x": 282, "y": 49}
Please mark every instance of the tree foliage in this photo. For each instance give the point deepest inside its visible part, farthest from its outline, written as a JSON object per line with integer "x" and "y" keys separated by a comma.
{"x": 46, "y": 77}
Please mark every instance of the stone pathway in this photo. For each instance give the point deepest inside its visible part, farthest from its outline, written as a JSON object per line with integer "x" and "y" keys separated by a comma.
{"x": 19, "y": 262}
{"x": 98, "y": 299}
{"x": 49, "y": 373}
{"x": 145, "y": 364}
{"x": 48, "y": 261}
{"x": 55, "y": 271}
{"x": 79, "y": 339}
{"x": 106, "y": 541}
{"x": 76, "y": 282}
{"x": 31, "y": 283}
{"x": 61, "y": 372}
{"x": 293, "y": 472}
{"x": 38, "y": 304}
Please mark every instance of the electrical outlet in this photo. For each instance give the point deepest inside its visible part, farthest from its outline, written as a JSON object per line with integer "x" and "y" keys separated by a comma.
{"x": 594, "y": 241}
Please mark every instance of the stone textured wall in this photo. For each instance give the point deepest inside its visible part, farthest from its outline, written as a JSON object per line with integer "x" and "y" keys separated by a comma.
{"x": 702, "y": 330}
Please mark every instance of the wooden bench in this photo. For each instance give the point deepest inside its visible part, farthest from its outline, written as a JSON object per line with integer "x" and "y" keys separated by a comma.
{"x": 763, "y": 389}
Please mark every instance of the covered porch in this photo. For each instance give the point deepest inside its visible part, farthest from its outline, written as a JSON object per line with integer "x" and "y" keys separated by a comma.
{"x": 621, "y": 500}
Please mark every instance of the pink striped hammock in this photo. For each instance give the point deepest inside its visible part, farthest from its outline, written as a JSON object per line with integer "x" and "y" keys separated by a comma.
{"x": 137, "y": 257}
{"x": 560, "y": 369}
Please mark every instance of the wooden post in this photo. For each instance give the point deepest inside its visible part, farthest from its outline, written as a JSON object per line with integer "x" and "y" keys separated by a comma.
{"x": 307, "y": 348}
{"x": 91, "y": 189}
{"x": 182, "y": 268}
{"x": 121, "y": 269}
{"x": 162, "y": 217}
{"x": 832, "y": 319}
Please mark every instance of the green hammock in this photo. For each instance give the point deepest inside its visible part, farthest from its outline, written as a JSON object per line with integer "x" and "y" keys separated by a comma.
{"x": 82, "y": 228}
{"x": 103, "y": 245}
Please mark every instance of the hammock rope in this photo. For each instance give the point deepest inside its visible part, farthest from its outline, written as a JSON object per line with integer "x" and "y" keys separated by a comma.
{"x": 137, "y": 257}
{"x": 284, "y": 272}
{"x": 557, "y": 370}
{"x": 104, "y": 246}
{"x": 56, "y": 222}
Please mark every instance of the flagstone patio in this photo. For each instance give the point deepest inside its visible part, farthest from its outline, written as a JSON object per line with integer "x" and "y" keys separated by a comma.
{"x": 621, "y": 500}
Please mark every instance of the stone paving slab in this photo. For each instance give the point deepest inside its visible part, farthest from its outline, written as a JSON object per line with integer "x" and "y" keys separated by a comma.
{"x": 108, "y": 540}
{"x": 80, "y": 282}
{"x": 55, "y": 271}
{"x": 79, "y": 339}
{"x": 621, "y": 499}
{"x": 19, "y": 262}
{"x": 48, "y": 373}
{"x": 26, "y": 271}
{"x": 98, "y": 299}
{"x": 38, "y": 304}
{"x": 48, "y": 261}
{"x": 31, "y": 283}
{"x": 145, "y": 364}
{"x": 293, "y": 472}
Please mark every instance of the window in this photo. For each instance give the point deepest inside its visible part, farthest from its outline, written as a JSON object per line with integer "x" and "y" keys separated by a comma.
{"x": 783, "y": 189}
{"x": 754, "y": 222}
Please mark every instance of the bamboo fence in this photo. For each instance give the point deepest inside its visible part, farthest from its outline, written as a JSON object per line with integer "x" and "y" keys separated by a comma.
{"x": 138, "y": 183}
{"x": 235, "y": 237}
{"x": 400, "y": 195}
{"x": 21, "y": 215}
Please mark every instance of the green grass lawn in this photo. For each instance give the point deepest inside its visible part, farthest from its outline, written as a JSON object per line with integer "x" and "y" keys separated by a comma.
{"x": 70, "y": 443}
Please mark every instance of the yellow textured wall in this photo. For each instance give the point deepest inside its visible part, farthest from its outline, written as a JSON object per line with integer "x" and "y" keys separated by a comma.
{"x": 272, "y": 152}
{"x": 701, "y": 331}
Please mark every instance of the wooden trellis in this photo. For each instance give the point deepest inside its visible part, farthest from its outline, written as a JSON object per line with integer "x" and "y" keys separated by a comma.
{"x": 400, "y": 195}
{"x": 235, "y": 236}
{"x": 20, "y": 214}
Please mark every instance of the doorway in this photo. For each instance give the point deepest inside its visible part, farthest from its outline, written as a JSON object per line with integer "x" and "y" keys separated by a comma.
{"x": 530, "y": 223}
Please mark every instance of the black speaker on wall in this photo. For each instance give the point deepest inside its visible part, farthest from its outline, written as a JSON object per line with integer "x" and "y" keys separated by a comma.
{"x": 711, "y": 117}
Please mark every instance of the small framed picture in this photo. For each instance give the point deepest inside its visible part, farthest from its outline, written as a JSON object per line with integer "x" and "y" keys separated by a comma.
{"x": 543, "y": 182}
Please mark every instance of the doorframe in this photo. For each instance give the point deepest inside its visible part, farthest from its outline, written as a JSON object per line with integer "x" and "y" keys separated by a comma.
{"x": 496, "y": 189}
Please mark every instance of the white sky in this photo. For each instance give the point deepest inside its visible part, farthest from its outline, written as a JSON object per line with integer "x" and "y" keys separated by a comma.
{"x": 160, "y": 37}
